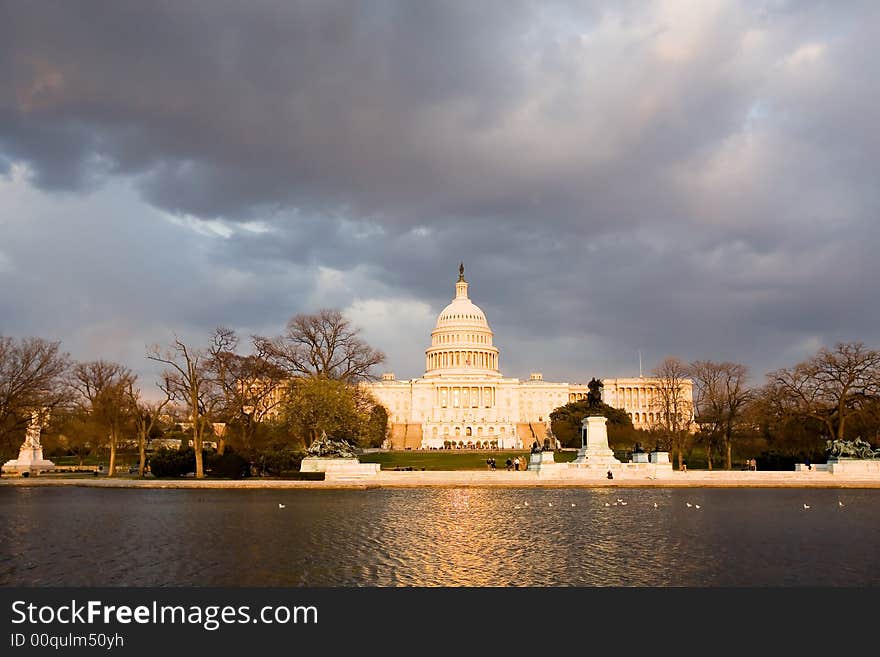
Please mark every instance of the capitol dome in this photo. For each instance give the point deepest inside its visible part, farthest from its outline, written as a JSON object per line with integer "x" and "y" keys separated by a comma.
{"x": 461, "y": 342}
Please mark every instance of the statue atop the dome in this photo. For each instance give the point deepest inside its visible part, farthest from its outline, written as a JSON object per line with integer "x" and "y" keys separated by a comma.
{"x": 461, "y": 273}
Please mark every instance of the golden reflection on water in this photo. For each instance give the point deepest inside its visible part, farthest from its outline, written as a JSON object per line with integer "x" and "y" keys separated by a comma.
{"x": 438, "y": 537}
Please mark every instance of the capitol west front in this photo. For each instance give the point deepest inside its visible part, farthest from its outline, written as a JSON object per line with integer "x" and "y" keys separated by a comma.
{"x": 463, "y": 400}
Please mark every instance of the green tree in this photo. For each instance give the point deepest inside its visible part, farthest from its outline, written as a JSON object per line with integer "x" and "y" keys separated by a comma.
{"x": 313, "y": 405}
{"x": 377, "y": 426}
{"x": 565, "y": 422}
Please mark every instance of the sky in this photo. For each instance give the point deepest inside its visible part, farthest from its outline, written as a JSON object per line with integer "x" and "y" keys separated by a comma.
{"x": 691, "y": 179}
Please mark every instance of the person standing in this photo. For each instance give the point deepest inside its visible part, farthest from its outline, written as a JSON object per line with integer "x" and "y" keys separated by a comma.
{"x": 516, "y": 463}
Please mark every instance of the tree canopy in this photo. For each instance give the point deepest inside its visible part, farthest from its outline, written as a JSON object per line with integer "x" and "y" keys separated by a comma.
{"x": 324, "y": 344}
{"x": 565, "y": 422}
{"x": 313, "y": 405}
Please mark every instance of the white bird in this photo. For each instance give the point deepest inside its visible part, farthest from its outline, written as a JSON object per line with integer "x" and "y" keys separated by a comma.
{"x": 517, "y": 507}
{"x": 526, "y": 503}
{"x": 572, "y": 503}
{"x": 689, "y": 504}
{"x": 655, "y": 505}
{"x": 697, "y": 506}
{"x": 549, "y": 503}
{"x": 619, "y": 500}
{"x": 606, "y": 504}
{"x": 623, "y": 503}
{"x": 806, "y": 506}
{"x": 840, "y": 504}
{"x": 280, "y": 505}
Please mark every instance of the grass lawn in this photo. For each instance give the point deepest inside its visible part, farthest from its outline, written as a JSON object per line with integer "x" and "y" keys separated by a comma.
{"x": 452, "y": 459}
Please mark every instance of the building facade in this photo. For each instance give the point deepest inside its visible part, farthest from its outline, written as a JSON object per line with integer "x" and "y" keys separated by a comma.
{"x": 463, "y": 400}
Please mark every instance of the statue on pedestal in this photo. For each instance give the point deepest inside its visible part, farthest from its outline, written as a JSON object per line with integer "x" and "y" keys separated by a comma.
{"x": 32, "y": 436}
{"x": 594, "y": 397}
{"x": 30, "y": 455}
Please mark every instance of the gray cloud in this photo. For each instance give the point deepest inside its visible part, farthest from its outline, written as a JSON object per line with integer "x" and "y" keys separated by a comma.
{"x": 684, "y": 178}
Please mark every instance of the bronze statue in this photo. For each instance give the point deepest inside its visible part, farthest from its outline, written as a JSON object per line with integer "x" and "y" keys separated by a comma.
{"x": 326, "y": 446}
{"x": 594, "y": 397}
{"x": 858, "y": 449}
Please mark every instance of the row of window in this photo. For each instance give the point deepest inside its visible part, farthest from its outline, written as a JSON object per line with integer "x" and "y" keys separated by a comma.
{"x": 627, "y": 397}
{"x": 466, "y": 397}
{"x": 463, "y": 359}
{"x": 468, "y": 431}
{"x": 449, "y": 338}
{"x": 647, "y": 418}
{"x": 477, "y": 318}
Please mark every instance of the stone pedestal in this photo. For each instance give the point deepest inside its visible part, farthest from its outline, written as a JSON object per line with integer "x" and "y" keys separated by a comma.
{"x": 537, "y": 460}
{"x": 30, "y": 460}
{"x": 640, "y": 457}
{"x": 595, "y": 453}
{"x": 659, "y": 457}
{"x": 339, "y": 468}
{"x": 854, "y": 466}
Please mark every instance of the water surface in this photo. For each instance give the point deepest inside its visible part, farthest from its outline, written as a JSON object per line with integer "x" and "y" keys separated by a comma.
{"x": 70, "y": 536}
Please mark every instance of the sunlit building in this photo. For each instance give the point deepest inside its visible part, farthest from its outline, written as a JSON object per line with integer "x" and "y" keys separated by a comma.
{"x": 463, "y": 399}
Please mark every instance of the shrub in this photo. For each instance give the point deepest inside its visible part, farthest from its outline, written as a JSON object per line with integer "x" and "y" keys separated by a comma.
{"x": 172, "y": 462}
{"x": 229, "y": 465}
{"x": 276, "y": 461}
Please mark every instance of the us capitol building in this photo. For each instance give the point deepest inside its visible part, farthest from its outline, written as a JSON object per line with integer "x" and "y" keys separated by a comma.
{"x": 463, "y": 399}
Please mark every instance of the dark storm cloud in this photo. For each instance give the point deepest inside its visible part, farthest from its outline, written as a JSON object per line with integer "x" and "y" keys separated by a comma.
{"x": 691, "y": 178}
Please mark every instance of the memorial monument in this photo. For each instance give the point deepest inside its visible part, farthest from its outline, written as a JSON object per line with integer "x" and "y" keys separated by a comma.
{"x": 336, "y": 459}
{"x": 594, "y": 451}
{"x": 30, "y": 457}
{"x": 855, "y": 457}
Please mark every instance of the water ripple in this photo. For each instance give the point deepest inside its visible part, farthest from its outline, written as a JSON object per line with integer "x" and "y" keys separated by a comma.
{"x": 439, "y": 537}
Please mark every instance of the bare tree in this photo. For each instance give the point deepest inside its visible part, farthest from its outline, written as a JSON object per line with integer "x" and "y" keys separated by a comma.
{"x": 221, "y": 363}
{"x": 32, "y": 376}
{"x": 830, "y": 386}
{"x": 190, "y": 379}
{"x": 103, "y": 386}
{"x": 146, "y": 417}
{"x": 325, "y": 345}
{"x": 252, "y": 390}
{"x": 721, "y": 398}
{"x": 673, "y": 404}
